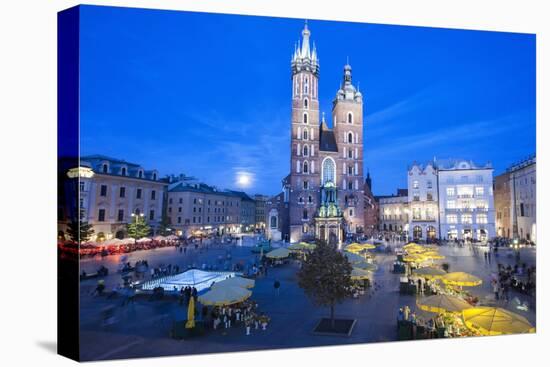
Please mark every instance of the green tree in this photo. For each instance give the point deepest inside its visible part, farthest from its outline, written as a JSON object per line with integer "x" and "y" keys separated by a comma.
{"x": 79, "y": 231}
{"x": 326, "y": 277}
{"x": 138, "y": 228}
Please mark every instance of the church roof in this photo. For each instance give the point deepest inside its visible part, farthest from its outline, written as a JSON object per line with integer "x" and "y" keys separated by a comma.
{"x": 327, "y": 141}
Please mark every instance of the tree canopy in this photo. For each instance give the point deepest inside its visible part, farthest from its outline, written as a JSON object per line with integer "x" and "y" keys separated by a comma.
{"x": 79, "y": 231}
{"x": 326, "y": 276}
{"x": 138, "y": 228}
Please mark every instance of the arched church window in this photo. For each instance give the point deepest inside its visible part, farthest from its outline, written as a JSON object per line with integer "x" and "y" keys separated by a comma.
{"x": 350, "y": 170}
{"x": 273, "y": 222}
{"x": 350, "y": 138}
{"x": 306, "y": 86}
{"x": 305, "y": 167}
{"x": 305, "y": 134}
{"x": 306, "y": 104}
{"x": 350, "y": 185}
{"x": 305, "y": 118}
{"x": 350, "y": 153}
{"x": 350, "y": 118}
{"x": 305, "y": 214}
{"x": 305, "y": 151}
{"x": 328, "y": 169}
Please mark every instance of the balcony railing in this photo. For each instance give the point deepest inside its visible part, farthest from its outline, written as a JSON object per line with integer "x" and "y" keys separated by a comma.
{"x": 430, "y": 219}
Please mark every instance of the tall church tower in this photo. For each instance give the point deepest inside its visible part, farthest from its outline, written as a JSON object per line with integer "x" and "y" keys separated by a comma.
{"x": 347, "y": 119}
{"x": 304, "y": 162}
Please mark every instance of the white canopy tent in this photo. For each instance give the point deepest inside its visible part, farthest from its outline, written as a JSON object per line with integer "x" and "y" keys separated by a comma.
{"x": 194, "y": 278}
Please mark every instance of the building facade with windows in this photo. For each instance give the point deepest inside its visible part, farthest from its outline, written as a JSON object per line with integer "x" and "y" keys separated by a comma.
{"x": 516, "y": 200}
{"x": 503, "y": 208}
{"x": 394, "y": 214}
{"x": 195, "y": 208}
{"x": 423, "y": 202}
{"x": 260, "y": 211}
{"x": 466, "y": 200}
{"x": 371, "y": 210}
{"x": 114, "y": 192}
{"x": 325, "y": 184}
{"x": 247, "y": 210}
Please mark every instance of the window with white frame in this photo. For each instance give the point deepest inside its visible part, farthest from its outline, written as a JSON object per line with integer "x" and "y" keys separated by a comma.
{"x": 452, "y": 218}
{"x": 481, "y": 218}
{"x": 480, "y": 191}
{"x": 450, "y": 191}
{"x": 466, "y": 219}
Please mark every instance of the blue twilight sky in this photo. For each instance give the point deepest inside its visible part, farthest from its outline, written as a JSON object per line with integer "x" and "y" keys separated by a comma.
{"x": 209, "y": 95}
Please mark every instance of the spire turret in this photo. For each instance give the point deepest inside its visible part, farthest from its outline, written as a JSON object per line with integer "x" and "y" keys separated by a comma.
{"x": 304, "y": 57}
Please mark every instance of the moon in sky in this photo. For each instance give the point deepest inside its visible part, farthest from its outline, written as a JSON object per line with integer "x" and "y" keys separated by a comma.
{"x": 244, "y": 179}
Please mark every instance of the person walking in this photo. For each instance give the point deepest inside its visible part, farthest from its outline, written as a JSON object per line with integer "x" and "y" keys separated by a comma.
{"x": 495, "y": 288}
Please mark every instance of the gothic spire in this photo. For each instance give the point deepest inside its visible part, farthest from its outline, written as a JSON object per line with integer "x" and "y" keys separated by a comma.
{"x": 305, "y": 57}
{"x": 306, "y": 53}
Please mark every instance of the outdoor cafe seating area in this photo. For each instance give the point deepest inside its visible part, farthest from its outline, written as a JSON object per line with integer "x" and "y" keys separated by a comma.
{"x": 444, "y": 306}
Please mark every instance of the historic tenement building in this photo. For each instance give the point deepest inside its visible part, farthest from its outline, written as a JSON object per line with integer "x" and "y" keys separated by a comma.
{"x": 394, "y": 215}
{"x": 112, "y": 190}
{"x": 451, "y": 199}
{"x": 516, "y": 201}
{"x": 370, "y": 208}
{"x": 325, "y": 185}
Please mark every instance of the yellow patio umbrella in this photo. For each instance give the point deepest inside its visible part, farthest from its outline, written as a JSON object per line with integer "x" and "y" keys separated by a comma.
{"x": 359, "y": 274}
{"x": 354, "y": 247}
{"x": 190, "y": 314}
{"x": 413, "y": 258}
{"x": 235, "y": 282}
{"x": 368, "y": 246}
{"x": 442, "y": 303}
{"x": 495, "y": 321}
{"x": 433, "y": 255}
{"x": 461, "y": 279}
{"x": 223, "y": 296}
{"x": 429, "y": 272}
{"x": 279, "y": 253}
{"x": 415, "y": 250}
{"x": 411, "y": 245}
{"x": 365, "y": 266}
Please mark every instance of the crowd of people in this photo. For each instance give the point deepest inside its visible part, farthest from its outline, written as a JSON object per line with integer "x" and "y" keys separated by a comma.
{"x": 413, "y": 326}
{"x": 521, "y": 278}
{"x": 244, "y": 314}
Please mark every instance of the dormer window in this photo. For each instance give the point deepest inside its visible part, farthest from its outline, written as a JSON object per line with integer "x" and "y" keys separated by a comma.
{"x": 140, "y": 174}
{"x": 154, "y": 176}
{"x": 105, "y": 168}
{"x": 123, "y": 171}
